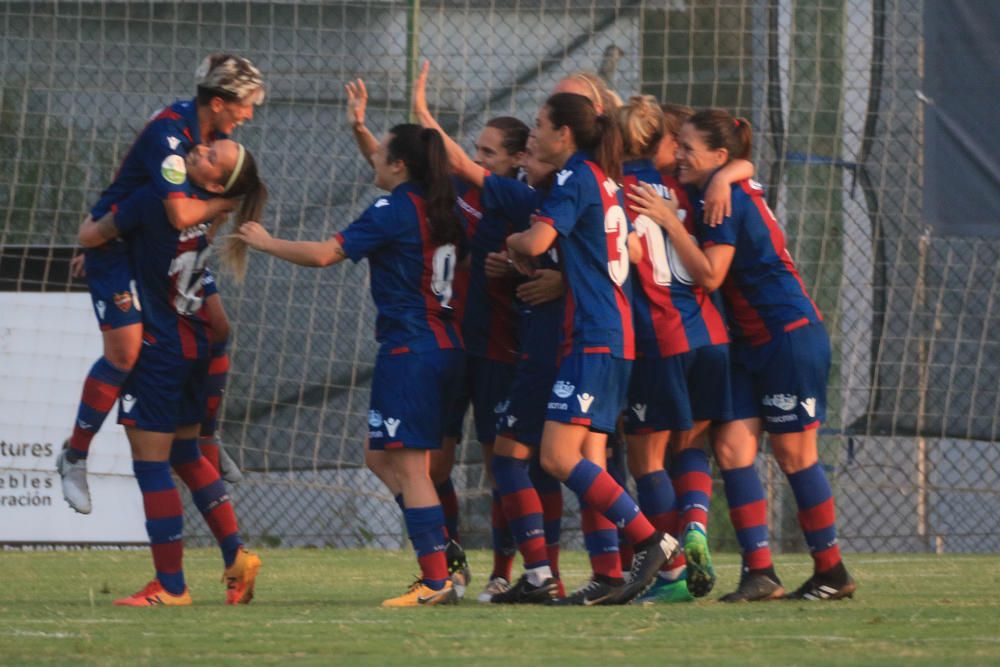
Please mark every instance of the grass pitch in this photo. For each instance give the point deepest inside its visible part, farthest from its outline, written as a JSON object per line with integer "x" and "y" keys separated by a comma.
{"x": 321, "y": 607}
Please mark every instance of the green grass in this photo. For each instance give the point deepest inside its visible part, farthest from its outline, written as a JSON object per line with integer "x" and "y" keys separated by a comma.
{"x": 321, "y": 607}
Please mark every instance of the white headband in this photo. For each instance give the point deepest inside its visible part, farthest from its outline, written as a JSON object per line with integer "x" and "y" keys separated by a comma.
{"x": 237, "y": 169}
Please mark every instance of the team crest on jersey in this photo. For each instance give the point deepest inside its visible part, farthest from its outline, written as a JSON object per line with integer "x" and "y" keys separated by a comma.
{"x": 563, "y": 389}
{"x": 585, "y": 400}
{"x": 501, "y": 407}
{"x": 173, "y": 169}
{"x": 640, "y": 411}
{"x": 562, "y": 176}
{"x": 391, "y": 426}
{"x": 124, "y": 301}
{"x": 784, "y": 402}
{"x": 374, "y": 418}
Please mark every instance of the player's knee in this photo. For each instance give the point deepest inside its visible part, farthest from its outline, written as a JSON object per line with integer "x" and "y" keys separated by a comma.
{"x": 123, "y": 357}
{"x": 554, "y": 464}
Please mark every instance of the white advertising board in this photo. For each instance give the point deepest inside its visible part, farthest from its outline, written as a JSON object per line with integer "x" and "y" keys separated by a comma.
{"x": 48, "y": 342}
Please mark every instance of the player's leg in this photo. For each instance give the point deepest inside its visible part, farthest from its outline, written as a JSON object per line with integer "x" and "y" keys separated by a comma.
{"x": 116, "y": 305}
{"x": 218, "y": 374}
{"x": 796, "y": 383}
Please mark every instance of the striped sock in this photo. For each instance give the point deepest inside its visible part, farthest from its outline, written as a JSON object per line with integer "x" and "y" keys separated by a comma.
{"x": 550, "y": 493}
{"x": 692, "y": 477}
{"x": 522, "y": 507}
{"x": 218, "y": 373}
{"x": 425, "y": 526}
{"x": 449, "y": 503}
{"x": 100, "y": 391}
{"x": 596, "y": 488}
{"x": 601, "y": 539}
{"x": 817, "y": 515}
{"x": 164, "y": 522}
{"x": 209, "y": 495}
{"x": 504, "y": 545}
{"x": 658, "y": 502}
{"x": 748, "y": 512}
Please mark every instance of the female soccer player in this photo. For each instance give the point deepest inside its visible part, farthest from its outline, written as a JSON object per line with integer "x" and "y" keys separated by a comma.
{"x": 780, "y": 358}
{"x": 584, "y": 212}
{"x": 163, "y": 399}
{"x": 228, "y": 88}
{"x": 682, "y": 343}
{"x": 412, "y": 239}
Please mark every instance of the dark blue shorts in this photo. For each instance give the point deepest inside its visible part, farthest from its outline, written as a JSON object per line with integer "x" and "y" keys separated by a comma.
{"x": 486, "y": 385}
{"x": 591, "y": 390}
{"x": 164, "y": 391}
{"x": 524, "y": 412}
{"x": 410, "y": 399}
{"x": 113, "y": 291}
{"x": 783, "y": 381}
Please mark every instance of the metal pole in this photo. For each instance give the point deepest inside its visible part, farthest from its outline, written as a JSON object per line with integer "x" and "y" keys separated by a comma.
{"x": 412, "y": 52}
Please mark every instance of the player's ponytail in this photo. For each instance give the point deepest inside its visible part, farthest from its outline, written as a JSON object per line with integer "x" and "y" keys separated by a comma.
{"x": 597, "y": 134}
{"x": 243, "y": 182}
{"x": 423, "y": 152}
{"x": 721, "y": 130}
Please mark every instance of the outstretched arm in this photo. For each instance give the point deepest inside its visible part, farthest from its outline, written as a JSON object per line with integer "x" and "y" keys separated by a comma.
{"x": 304, "y": 253}
{"x": 460, "y": 162}
{"x": 357, "y": 102}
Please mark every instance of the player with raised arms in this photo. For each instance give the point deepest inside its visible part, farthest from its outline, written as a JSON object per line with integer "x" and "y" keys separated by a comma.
{"x": 780, "y": 358}
{"x": 412, "y": 238}
{"x": 681, "y": 381}
{"x": 164, "y": 398}
{"x": 584, "y": 212}
{"x": 228, "y": 89}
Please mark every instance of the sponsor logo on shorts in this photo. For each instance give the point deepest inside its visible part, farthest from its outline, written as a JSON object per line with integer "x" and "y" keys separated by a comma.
{"x": 391, "y": 425}
{"x": 558, "y": 406}
{"x": 809, "y": 405}
{"x": 563, "y": 389}
{"x": 173, "y": 169}
{"x": 376, "y": 434}
{"x": 640, "y": 411}
{"x": 374, "y": 418}
{"x": 501, "y": 407}
{"x": 784, "y": 402}
{"x": 782, "y": 419}
{"x": 585, "y": 400}
{"x": 124, "y": 301}
{"x": 101, "y": 308}
{"x": 128, "y": 402}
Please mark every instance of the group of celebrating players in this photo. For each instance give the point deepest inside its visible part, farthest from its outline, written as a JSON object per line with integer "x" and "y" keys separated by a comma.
{"x": 612, "y": 269}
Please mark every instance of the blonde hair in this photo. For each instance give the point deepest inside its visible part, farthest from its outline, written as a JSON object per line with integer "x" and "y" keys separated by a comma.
{"x": 641, "y": 123}
{"x": 229, "y": 77}
{"x": 599, "y": 93}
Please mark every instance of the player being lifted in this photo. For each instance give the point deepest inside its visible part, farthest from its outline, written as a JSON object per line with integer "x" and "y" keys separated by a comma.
{"x": 584, "y": 211}
{"x": 228, "y": 89}
{"x": 164, "y": 398}
{"x": 413, "y": 240}
{"x": 780, "y": 357}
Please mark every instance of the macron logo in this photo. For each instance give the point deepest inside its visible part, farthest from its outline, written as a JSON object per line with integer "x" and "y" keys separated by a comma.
{"x": 562, "y": 176}
{"x": 128, "y": 402}
{"x": 391, "y": 424}
{"x": 101, "y": 308}
{"x": 381, "y": 202}
{"x": 809, "y": 405}
{"x": 511, "y": 420}
{"x": 585, "y": 401}
{"x": 173, "y": 142}
{"x": 640, "y": 411}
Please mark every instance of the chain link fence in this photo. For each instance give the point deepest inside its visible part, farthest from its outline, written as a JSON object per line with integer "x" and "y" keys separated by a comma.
{"x": 832, "y": 88}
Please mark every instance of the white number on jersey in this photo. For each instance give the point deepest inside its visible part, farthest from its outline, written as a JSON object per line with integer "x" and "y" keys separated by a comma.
{"x": 615, "y": 223}
{"x": 443, "y": 273}
{"x": 187, "y": 270}
{"x": 662, "y": 254}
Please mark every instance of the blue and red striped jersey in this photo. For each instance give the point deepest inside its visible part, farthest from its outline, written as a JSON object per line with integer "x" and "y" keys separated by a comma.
{"x": 539, "y": 330}
{"x": 157, "y": 157}
{"x": 672, "y": 315}
{"x": 489, "y": 316}
{"x": 763, "y": 290}
{"x": 168, "y": 265}
{"x": 412, "y": 280}
{"x": 586, "y": 208}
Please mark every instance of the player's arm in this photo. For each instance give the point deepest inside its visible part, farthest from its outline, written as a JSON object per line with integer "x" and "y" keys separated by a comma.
{"x": 719, "y": 194}
{"x": 357, "y": 102}
{"x": 707, "y": 267}
{"x": 545, "y": 285}
{"x": 184, "y": 212}
{"x": 94, "y": 233}
{"x": 304, "y": 253}
{"x": 533, "y": 241}
{"x": 459, "y": 161}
